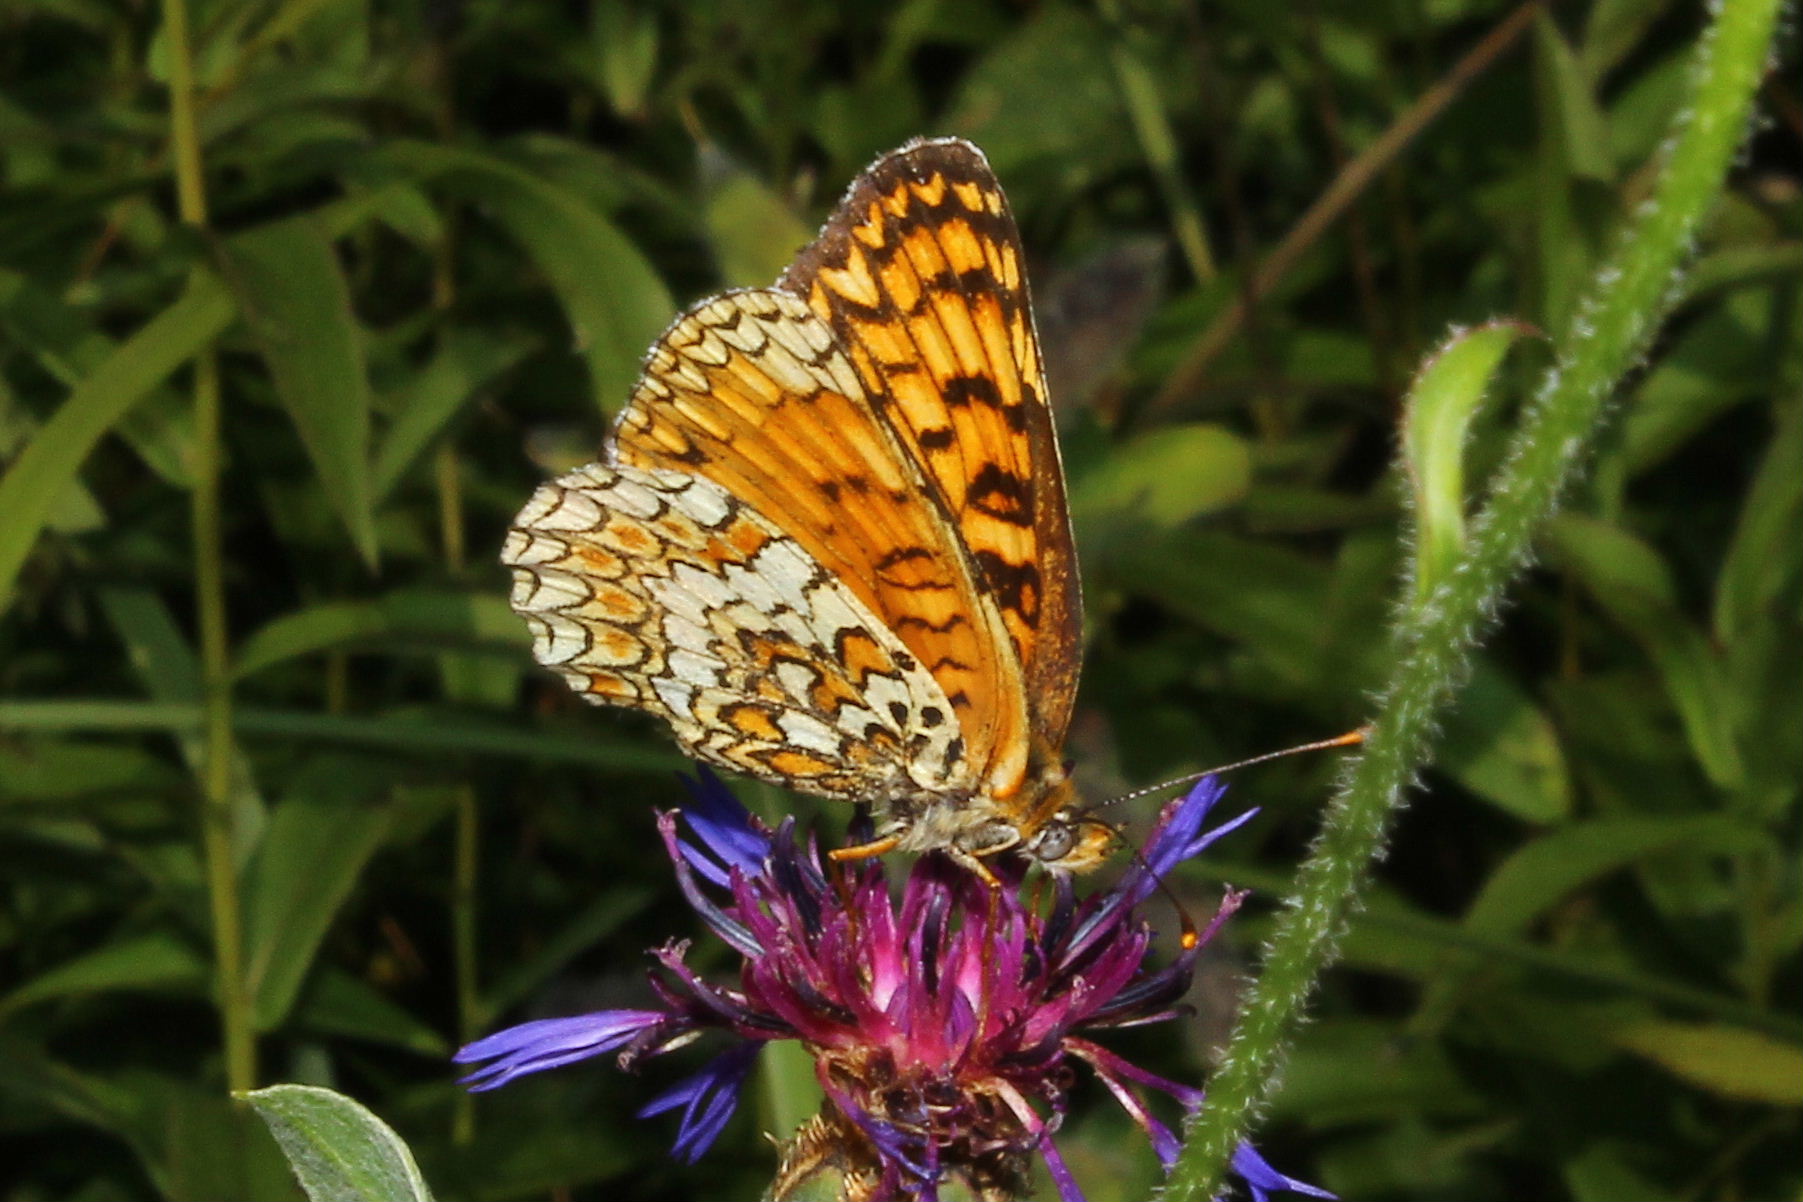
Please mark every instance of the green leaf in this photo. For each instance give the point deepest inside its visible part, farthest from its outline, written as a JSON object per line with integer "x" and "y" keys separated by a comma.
{"x": 67, "y": 346}
{"x": 64, "y": 770}
{"x": 1503, "y": 747}
{"x": 423, "y": 730}
{"x": 42, "y": 474}
{"x": 154, "y": 962}
{"x": 1327, "y": 1083}
{"x": 1164, "y": 478}
{"x": 615, "y": 301}
{"x": 339, "y": 1150}
{"x": 1735, "y": 1063}
{"x": 1765, "y": 554}
{"x": 1542, "y": 874}
{"x": 1254, "y": 592}
{"x": 1443, "y": 401}
{"x": 1043, "y": 95}
{"x": 599, "y": 919}
{"x": 432, "y": 619}
{"x": 294, "y": 298}
{"x": 755, "y": 232}
{"x": 170, "y": 672}
{"x": 467, "y": 361}
{"x": 624, "y": 52}
{"x": 1632, "y": 584}
{"x": 335, "y": 1002}
{"x": 318, "y": 841}
{"x": 1605, "y": 1171}
{"x": 1716, "y": 362}
{"x": 1574, "y": 122}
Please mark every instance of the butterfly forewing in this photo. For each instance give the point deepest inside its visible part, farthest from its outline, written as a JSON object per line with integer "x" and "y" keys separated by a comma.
{"x": 920, "y": 275}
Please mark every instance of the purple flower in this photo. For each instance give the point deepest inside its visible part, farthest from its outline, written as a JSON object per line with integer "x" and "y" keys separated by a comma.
{"x": 944, "y": 1024}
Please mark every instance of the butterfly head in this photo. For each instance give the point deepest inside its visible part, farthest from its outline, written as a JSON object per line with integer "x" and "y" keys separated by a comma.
{"x": 1057, "y": 833}
{"x": 1070, "y": 842}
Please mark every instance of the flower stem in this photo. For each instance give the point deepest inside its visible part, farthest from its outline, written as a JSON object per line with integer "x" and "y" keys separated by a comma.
{"x": 1434, "y": 636}
{"x": 218, "y": 836}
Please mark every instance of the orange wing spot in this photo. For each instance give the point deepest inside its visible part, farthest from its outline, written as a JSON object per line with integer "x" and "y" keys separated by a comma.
{"x": 619, "y": 646}
{"x": 862, "y": 656}
{"x": 676, "y": 531}
{"x": 1003, "y": 265}
{"x": 967, "y": 352}
{"x": 671, "y": 441}
{"x": 992, "y": 328}
{"x": 614, "y": 688}
{"x": 870, "y": 232}
{"x": 854, "y": 281}
{"x": 933, "y": 190}
{"x": 700, "y": 418}
{"x": 962, "y": 248}
{"x": 747, "y": 537}
{"x": 753, "y": 722}
{"x": 789, "y": 762}
{"x": 601, "y": 563}
{"x": 889, "y": 344}
{"x": 830, "y": 694}
{"x": 620, "y": 604}
{"x": 902, "y": 283}
{"x": 764, "y": 650}
{"x": 631, "y": 537}
{"x": 971, "y": 195}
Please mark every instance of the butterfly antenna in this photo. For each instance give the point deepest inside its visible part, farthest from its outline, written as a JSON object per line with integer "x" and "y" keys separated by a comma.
{"x": 1190, "y": 935}
{"x": 1350, "y": 739}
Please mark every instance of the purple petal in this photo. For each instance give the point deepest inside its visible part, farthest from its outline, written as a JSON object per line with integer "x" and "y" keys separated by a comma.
{"x": 708, "y": 1099}
{"x": 551, "y": 1042}
{"x": 726, "y": 828}
{"x": 1175, "y": 837}
{"x": 1057, "y": 1170}
{"x": 1262, "y": 1179}
{"x": 723, "y": 924}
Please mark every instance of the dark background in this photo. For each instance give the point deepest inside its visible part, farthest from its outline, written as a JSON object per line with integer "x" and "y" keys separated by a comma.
{"x": 451, "y": 229}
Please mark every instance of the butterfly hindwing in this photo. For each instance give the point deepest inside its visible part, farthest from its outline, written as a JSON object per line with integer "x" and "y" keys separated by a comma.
{"x": 662, "y": 591}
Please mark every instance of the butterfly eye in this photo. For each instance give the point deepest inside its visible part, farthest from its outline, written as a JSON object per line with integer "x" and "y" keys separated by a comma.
{"x": 1052, "y": 842}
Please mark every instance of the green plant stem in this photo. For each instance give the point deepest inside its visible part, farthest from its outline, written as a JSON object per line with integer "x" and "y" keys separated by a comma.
{"x": 1434, "y": 636}
{"x": 218, "y": 836}
{"x": 470, "y": 1015}
{"x": 466, "y": 860}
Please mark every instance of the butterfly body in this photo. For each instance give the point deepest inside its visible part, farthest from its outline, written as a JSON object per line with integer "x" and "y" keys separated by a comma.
{"x": 827, "y": 539}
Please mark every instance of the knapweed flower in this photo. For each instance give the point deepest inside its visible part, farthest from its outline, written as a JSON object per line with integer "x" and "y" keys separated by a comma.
{"x": 944, "y": 1024}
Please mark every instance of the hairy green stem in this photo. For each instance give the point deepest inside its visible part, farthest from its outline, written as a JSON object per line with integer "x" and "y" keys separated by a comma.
{"x": 1434, "y": 636}
{"x": 217, "y": 834}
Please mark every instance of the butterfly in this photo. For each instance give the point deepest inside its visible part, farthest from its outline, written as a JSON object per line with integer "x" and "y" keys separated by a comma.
{"x": 827, "y": 539}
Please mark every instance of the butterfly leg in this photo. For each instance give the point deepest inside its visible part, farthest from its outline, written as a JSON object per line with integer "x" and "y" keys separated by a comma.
{"x": 864, "y": 851}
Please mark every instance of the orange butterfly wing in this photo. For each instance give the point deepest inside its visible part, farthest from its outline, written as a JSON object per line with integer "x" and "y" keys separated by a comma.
{"x": 920, "y": 275}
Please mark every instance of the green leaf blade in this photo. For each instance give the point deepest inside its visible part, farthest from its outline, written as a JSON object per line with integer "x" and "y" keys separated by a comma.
{"x": 295, "y": 299}
{"x": 39, "y": 479}
{"x": 339, "y": 1151}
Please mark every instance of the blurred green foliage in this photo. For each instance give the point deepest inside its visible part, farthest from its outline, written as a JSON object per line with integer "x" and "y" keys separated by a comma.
{"x": 439, "y": 237}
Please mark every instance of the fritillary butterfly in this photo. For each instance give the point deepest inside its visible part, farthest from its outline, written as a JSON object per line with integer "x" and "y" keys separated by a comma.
{"x": 827, "y": 540}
